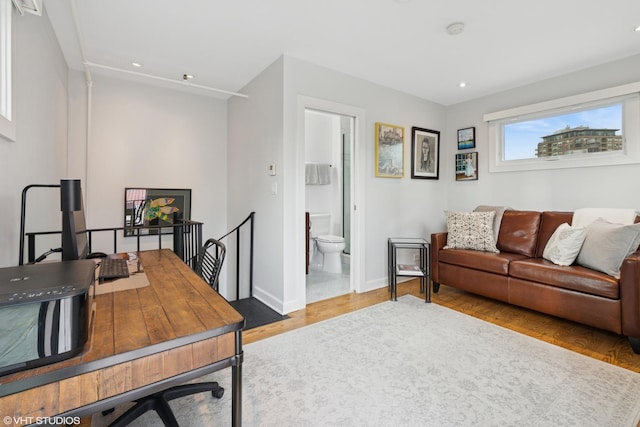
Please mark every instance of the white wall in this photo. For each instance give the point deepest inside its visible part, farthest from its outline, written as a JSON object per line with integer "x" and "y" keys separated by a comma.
{"x": 393, "y": 207}
{"x": 264, "y": 128}
{"x": 255, "y": 142}
{"x": 566, "y": 189}
{"x": 38, "y": 156}
{"x": 151, "y": 137}
{"x": 139, "y": 135}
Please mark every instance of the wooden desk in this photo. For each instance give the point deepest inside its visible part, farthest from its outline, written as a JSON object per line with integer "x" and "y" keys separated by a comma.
{"x": 142, "y": 341}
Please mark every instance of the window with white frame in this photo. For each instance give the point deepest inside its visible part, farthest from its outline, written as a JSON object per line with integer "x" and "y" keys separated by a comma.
{"x": 593, "y": 129}
{"x": 7, "y": 125}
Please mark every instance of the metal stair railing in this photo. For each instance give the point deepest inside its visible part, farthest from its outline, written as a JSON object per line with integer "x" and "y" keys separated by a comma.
{"x": 236, "y": 230}
{"x": 187, "y": 239}
{"x": 187, "y": 235}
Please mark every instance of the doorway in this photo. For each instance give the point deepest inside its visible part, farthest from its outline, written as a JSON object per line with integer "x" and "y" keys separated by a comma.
{"x": 356, "y": 194}
{"x": 329, "y": 140}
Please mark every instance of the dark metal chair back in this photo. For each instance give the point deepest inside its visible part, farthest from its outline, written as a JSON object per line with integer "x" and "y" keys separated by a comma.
{"x": 210, "y": 259}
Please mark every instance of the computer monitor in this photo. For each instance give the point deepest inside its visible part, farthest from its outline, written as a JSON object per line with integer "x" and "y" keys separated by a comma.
{"x": 75, "y": 244}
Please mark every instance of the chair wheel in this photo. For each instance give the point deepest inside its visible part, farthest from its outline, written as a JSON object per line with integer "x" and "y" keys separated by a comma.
{"x": 218, "y": 393}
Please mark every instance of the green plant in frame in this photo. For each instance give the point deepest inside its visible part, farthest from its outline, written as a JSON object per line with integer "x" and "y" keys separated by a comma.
{"x": 159, "y": 208}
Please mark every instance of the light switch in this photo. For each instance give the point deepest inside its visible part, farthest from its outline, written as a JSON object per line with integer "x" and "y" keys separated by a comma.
{"x": 274, "y": 188}
{"x": 272, "y": 169}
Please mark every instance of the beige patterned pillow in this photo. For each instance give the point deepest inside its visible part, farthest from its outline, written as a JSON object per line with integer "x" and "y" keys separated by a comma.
{"x": 470, "y": 230}
{"x": 499, "y": 210}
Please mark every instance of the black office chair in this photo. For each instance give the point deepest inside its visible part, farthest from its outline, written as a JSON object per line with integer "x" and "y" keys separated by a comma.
{"x": 209, "y": 262}
{"x": 208, "y": 266}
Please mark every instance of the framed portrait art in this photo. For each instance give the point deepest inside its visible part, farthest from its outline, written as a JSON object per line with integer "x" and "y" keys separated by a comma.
{"x": 389, "y": 151}
{"x": 467, "y": 166}
{"x": 425, "y": 153}
{"x": 466, "y": 138}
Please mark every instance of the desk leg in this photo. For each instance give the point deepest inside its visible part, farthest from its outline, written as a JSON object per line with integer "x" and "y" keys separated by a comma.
{"x": 236, "y": 383}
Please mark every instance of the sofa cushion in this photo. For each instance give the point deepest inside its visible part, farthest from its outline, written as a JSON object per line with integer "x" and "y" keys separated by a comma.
{"x": 519, "y": 232}
{"x": 564, "y": 245}
{"x": 470, "y": 230}
{"x": 549, "y": 222}
{"x": 575, "y": 277}
{"x": 607, "y": 245}
{"x": 486, "y": 261}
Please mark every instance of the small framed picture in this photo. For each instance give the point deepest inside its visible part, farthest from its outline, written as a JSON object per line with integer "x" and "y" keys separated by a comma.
{"x": 154, "y": 206}
{"x": 425, "y": 153}
{"x": 466, "y": 138}
{"x": 467, "y": 166}
{"x": 389, "y": 151}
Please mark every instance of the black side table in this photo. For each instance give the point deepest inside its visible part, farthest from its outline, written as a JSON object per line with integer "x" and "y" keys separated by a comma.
{"x": 422, "y": 269}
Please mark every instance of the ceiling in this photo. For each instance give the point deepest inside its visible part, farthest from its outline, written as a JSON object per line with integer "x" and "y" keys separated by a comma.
{"x": 401, "y": 44}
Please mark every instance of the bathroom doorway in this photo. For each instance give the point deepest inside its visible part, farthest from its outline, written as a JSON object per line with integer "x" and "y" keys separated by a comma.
{"x": 329, "y": 142}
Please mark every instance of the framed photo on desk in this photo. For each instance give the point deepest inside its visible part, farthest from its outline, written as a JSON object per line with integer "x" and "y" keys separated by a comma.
{"x": 154, "y": 207}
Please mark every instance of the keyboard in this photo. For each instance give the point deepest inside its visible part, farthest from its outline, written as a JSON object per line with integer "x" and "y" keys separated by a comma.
{"x": 113, "y": 268}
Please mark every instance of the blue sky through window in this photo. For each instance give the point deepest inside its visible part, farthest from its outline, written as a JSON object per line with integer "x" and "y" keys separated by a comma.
{"x": 521, "y": 139}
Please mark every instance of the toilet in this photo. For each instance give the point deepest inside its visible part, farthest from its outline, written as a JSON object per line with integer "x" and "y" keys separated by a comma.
{"x": 329, "y": 246}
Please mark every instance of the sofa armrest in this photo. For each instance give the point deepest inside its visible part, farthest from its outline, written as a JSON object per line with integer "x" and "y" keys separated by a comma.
{"x": 438, "y": 241}
{"x": 630, "y": 295}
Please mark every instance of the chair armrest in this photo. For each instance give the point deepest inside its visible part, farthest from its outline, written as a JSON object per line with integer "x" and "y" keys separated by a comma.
{"x": 438, "y": 241}
{"x": 630, "y": 295}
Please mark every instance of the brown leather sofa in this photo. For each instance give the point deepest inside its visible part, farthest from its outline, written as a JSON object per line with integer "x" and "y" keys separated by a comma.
{"x": 520, "y": 276}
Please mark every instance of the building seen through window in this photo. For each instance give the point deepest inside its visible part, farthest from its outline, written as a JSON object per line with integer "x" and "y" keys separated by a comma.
{"x": 586, "y": 131}
{"x": 579, "y": 140}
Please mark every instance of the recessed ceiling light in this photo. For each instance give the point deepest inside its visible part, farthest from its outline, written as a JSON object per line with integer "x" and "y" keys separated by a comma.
{"x": 637, "y": 29}
{"x": 136, "y": 64}
{"x": 462, "y": 84}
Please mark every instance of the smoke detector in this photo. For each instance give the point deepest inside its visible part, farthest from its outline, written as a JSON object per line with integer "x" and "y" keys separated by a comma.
{"x": 455, "y": 28}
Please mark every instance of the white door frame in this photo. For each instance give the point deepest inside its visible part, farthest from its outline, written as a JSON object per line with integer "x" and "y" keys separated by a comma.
{"x": 357, "y": 187}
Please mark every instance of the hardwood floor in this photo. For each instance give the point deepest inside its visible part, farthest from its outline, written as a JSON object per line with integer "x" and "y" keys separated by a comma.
{"x": 601, "y": 345}
{"x": 592, "y": 342}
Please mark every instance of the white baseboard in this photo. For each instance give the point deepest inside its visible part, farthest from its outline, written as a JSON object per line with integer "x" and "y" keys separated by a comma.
{"x": 382, "y": 283}
{"x": 269, "y": 300}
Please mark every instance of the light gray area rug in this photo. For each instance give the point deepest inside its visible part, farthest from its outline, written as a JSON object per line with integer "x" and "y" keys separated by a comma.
{"x": 408, "y": 363}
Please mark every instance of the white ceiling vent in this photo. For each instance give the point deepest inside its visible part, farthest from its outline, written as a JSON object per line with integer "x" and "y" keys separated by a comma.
{"x": 29, "y": 6}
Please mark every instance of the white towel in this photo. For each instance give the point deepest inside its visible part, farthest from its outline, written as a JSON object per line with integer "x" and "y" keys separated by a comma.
{"x": 324, "y": 173}
{"x": 311, "y": 173}
{"x": 585, "y": 216}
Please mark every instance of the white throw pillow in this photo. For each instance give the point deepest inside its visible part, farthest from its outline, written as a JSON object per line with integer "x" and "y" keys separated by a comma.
{"x": 564, "y": 244}
{"x": 470, "y": 230}
{"x": 607, "y": 245}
